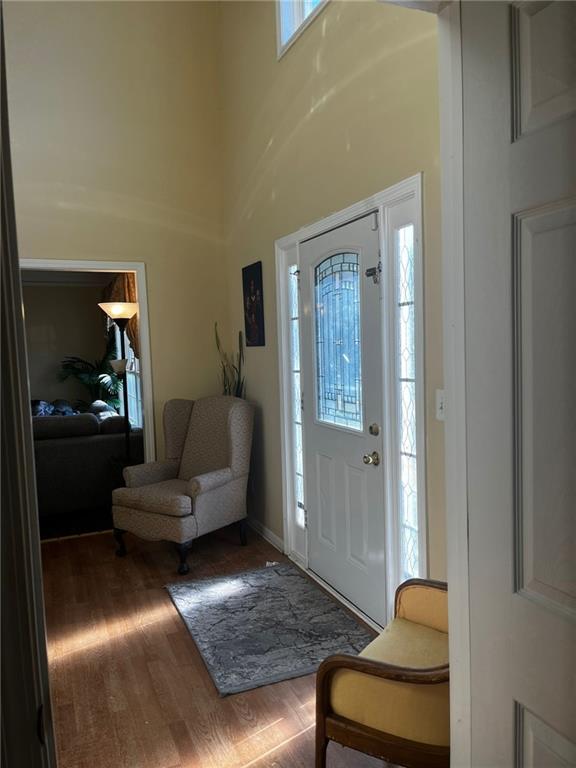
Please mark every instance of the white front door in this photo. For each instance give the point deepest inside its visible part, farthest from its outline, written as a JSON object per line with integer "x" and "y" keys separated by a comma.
{"x": 519, "y": 86}
{"x": 342, "y": 412}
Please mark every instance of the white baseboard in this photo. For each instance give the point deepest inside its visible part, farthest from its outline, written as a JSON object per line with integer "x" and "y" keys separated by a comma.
{"x": 266, "y": 533}
{"x": 298, "y": 560}
{"x": 77, "y": 535}
{"x": 277, "y": 542}
{"x": 340, "y": 598}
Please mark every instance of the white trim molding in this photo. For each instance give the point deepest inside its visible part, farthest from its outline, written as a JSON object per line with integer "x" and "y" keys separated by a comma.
{"x": 430, "y": 6}
{"x": 278, "y": 544}
{"x": 266, "y": 534}
{"x": 452, "y": 161}
{"x": 341, "y": 599}
{"x": 295, "y": 545}
{"x": 139, "y": 269}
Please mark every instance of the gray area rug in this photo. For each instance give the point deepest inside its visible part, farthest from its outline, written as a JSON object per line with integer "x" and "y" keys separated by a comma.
{"x": 263, "y": 626}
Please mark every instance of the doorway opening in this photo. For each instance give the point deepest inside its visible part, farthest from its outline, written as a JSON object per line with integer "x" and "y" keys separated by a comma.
{"x": 351, "y": 351}
{"x": 90, "y": 387}
{"x": 96, "y": 273}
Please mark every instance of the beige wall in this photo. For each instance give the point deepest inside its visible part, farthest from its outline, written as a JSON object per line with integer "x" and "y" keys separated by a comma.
{"x": 169, "y": 133}
{"x": 115, "y": 124}
{"x": 349, "y": 110}
{"x": 61, "y": 321}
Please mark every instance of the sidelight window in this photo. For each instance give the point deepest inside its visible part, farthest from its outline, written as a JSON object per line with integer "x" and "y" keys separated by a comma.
{"x": 296, "y": 392}
{"x": 406, "y": 398}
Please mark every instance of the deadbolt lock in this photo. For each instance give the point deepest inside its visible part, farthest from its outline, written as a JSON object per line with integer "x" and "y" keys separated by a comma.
{"x": 371, "y": 458}
{"x": 374, "y": 429}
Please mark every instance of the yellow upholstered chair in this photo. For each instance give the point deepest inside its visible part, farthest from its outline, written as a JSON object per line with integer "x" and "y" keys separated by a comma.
{"x": 392, "y": 701}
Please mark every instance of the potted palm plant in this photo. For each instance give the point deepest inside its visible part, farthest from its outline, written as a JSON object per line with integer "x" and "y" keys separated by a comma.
{"x": 96, "y": 376}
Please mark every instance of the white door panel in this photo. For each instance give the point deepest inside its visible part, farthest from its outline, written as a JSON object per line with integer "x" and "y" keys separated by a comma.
{"x": 324, "y": 496}
{"x": 520, "y": 284}
{"x": 356, "y": 501}
{"x": 342, "y": 388}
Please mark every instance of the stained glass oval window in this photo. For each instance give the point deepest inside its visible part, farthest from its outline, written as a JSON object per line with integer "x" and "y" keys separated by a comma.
{"x": 338, "y": 359}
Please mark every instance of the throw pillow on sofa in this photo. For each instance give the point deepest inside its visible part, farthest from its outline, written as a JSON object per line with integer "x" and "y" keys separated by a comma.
{"x": 42, "y": 408}
{"x": 55, "y": 408}
{"x": 102, "y": 410}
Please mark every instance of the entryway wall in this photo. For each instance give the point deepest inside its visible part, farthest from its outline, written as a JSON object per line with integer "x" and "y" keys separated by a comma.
{"x": 350, "y": 109}
{"x": 61, "y": 320}
{"x": 221, "y": 151}
{"x": 117, "y": 156}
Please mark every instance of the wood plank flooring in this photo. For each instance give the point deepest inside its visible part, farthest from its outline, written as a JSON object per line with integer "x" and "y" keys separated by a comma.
{"x": 129, "y": 689}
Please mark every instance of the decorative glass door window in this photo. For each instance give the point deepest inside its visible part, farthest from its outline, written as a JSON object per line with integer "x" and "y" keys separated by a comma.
{"x": 406, "y": 397}
{"x": 337, "y": 337}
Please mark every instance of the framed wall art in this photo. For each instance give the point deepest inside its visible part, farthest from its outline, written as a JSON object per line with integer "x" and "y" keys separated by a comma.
{"x": 253, "y": 304}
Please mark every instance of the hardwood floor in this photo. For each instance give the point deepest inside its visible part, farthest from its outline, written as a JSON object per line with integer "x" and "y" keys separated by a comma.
{"x": 129, "y": 688}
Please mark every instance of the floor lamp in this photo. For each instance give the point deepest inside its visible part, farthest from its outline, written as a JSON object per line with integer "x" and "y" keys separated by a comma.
{"x": 120, "y": 312}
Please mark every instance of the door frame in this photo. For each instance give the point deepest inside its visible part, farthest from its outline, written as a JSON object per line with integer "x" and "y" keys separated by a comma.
{"x": 27, "y": 730}
{"x": 137, "y": 268}
{"x": 287, "y": 253}
{"x": 454, "y": 343}
{"x": 454, "y": 324}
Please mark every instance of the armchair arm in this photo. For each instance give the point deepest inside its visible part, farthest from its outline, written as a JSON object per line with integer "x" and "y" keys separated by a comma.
{"x": 151, "y": 472}
{"x": 209, "y": 481}
{"x": 373, "y": 668}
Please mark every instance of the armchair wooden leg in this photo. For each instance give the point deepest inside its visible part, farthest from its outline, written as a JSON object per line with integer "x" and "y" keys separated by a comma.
{"x": 243, "y": 532}
{"x": 121, "y": 546}
{"x": 183, "y": 550}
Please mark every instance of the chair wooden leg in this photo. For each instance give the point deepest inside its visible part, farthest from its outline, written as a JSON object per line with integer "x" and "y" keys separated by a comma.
{"x": 243, "y": 532}
{"x": 321, "y": 747}
{"x": 183, "y": 550}
{"x": 322, "y": 703}
{"x": 121, "y": 546}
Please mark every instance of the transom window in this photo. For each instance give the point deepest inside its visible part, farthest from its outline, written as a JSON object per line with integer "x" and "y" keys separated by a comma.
{"x": 292, "y": 17}
{"x": 338, "y": 365}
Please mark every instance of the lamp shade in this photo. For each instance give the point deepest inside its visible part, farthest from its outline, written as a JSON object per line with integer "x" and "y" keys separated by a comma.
{"x": 119, "y": 366}
{"x": 119, "y": 310}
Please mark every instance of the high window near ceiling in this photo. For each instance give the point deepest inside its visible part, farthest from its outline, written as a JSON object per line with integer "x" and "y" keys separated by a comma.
{"x": 293, "y": 16}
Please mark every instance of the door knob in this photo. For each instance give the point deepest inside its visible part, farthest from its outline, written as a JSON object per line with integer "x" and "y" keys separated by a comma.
{"x": 371, "y": 458}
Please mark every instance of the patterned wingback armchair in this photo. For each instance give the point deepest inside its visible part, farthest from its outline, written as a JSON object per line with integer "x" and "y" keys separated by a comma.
{"x": 200, "y": 486}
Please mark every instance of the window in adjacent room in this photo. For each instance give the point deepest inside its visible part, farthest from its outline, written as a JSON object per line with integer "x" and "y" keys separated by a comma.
{"x": 293, "y": 16}
{"x": 134, "y": 383}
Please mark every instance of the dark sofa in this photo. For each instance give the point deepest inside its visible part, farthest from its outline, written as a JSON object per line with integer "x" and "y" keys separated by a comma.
{"x": 79, "y": 462}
